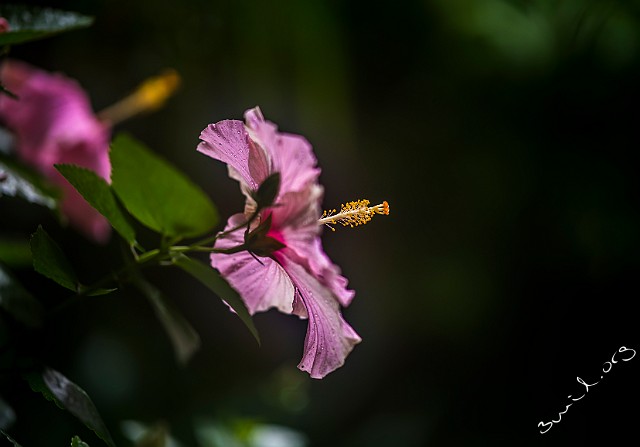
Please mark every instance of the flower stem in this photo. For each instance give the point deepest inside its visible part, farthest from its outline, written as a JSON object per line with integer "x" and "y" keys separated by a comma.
{"x": 157, "y": 256}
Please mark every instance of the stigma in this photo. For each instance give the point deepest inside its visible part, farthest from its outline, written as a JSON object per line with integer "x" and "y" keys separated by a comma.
{"x": 353, "y": 214}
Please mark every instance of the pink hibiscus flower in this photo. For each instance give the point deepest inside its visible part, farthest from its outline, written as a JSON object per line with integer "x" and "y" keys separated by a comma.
{"x": 54, "y": 123}
{"x": 294, "y": 275}
{"x": 4, "y": 25}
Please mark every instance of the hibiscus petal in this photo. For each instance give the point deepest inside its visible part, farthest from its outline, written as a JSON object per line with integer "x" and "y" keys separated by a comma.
{"x": 294, "y": 159}
{"x": 311, "y": 255}
{"x": 261, "y": 286}
{"x": 53, "y": 112}
{"x": 229, "y": 142}
{"x": 329, "y": 337}
{"x": 298, "y": 212}
{"x": 291, "y": 155}
{"x": 253, "y": 117}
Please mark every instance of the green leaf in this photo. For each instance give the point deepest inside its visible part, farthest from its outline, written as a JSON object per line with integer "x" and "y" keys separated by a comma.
{"x": 50, "y": 261}
{"x": 18, "y": 182}
{"x": 98, "y": 193}
{"x": 214, "y": 282}
{"x": 36, "y": 383}
{"x": 77, "y": 442}
{"x": 10, "y": 439}
{"x": 30, "y": 23}
{"x": 184, "y": 338}
{"x": 15, "y": 252}
{"x": 66, "y": 394}
{"x": 19, "y": 303}
{"x": 157, "y": 194}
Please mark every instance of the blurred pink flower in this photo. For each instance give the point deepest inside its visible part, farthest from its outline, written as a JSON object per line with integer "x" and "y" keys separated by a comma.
{"x": 298, "y": 278}
{"x": 4, "y": 25}
{"x": 54, "y": 123}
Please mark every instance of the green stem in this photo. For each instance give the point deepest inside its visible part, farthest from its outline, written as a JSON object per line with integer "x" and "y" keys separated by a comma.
{"x": 194, "y": 248}
{"x": 210, "y": 239}
{"x": 150, "y": 258}
{"x": 148, "y": 255}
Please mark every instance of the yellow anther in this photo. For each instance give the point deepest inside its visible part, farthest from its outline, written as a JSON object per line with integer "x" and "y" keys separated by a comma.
{"x": 149, "y": 96}
{"x": 353, "y": 214}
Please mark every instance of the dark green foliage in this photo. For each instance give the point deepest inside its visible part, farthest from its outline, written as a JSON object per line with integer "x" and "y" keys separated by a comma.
{"x": 50, "y": 261}
{"x": 98, "y": 193}
{"x": 17, "y": 301}
{"x": 214, "y": 282}
{"x": 184, "y": 338}
{"x": 29, "y": 23}
{"x": 67, "y": 395}
{"x": 157, "y": 194}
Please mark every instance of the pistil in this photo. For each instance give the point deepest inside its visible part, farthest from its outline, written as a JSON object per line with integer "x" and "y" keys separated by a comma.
{"x": 149, "y": 96}
{"x": 353, "y": 214}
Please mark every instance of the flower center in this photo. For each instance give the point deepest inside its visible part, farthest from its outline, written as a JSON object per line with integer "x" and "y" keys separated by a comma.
{"x": 353, "y": 214}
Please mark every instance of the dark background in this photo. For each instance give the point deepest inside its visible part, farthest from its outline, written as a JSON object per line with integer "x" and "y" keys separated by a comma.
{"x": 504, "y": 135}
